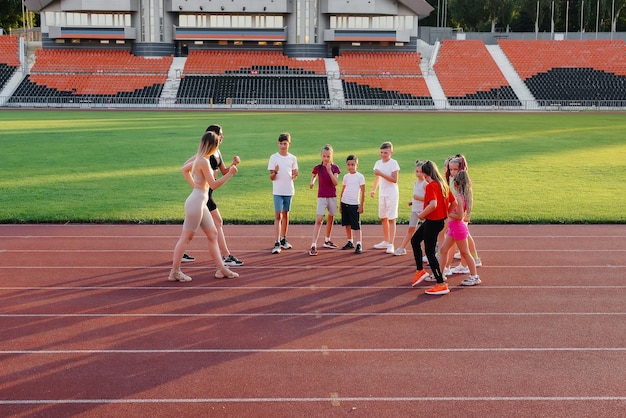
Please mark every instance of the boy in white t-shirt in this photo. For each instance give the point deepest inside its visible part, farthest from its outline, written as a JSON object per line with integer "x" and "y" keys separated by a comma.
{"x": 386, "y": 171}
{"x": 283, "y": 168}
{"x": 352, "y": 199}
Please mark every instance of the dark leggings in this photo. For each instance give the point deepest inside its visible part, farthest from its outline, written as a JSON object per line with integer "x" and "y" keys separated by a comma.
{"x": 428, "y": 232}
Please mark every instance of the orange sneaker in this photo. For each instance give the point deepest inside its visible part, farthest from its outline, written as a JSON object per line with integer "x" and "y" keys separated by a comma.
{"x": 438, "y": 289}
{"x": 419, "y": 277}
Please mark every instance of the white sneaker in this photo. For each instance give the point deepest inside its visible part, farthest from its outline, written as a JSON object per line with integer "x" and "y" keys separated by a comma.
{"x": 383, "y": 245}
{"x": 447, "y": 271}
{"x": 460, "y": 269}
{"x": 432, "y": 278}
{"x": 400, "y": 251}
{"x": 177, "y": 275}
{"x": 471, "y": 281}
{"x": 425, "y": 260}
{"x": 390, "y": 249}
{"x": 478, "y": 262}
{"x": 457, "y": 255}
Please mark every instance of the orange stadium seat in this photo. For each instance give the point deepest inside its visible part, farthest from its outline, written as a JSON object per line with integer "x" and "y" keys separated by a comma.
{"x": 571, "y": 72}
{"x": 465, "y": 68}
{"x": 91, "y": 73}
{"x": 390, "y": 77}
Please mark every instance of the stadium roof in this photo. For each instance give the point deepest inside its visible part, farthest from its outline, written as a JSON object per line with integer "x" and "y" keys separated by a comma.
{"x": 37, "y": 5}
{"x": 419, "y": 7}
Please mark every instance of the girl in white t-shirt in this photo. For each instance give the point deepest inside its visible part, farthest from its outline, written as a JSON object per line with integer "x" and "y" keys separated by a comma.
{"x": 417, "y": 204}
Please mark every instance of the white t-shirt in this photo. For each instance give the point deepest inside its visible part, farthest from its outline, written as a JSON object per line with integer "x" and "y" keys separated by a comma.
{"x": 352, "y": 192}
{"x": 283, "y": 183}
{"x": 419, "y": 189}
{"x": 387, "y": 188}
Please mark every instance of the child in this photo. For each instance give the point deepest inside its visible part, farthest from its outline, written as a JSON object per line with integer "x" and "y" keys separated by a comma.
{"x": 283, "y": 168}
{"x": 457, "y": 228}
{"x": 438, "y": 202}
{"x": 386, "y": 172}
{"x": 352, "y": 198}
{"x": 417, "y": 205}
{"x": 328, "y": 174}
{"x": 199, "y": 174}
{"x": 456, "y": 164}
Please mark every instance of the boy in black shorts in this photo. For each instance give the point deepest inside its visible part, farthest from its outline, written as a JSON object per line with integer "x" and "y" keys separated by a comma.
{"x": 352, "y": 198}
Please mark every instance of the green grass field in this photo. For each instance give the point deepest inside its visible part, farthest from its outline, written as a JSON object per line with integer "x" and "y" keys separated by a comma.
{"x": 123, "y": 166}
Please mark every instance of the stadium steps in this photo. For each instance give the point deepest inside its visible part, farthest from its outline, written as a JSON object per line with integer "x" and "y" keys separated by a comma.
{"x": 335, "y": 86}
{"x": 515, "y": 81}
{"x": 172, "y": 83}
{"x": 11, "y": 86}
{"x": 436, "y": 91}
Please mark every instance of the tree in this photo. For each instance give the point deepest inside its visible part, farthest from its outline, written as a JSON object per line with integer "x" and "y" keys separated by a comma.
{"x": 482, "y": 15}
{"x": 10, "y": 14}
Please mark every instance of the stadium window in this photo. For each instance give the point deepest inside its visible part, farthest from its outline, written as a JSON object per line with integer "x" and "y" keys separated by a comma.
{"x": 49, "y": 18}
{"x": 198, "y": 42}
{"x": 104, "y": 41}
{"x": 238, "y": 43}
{"x": 75, "y": 41}
{"x": 356, "y": 43}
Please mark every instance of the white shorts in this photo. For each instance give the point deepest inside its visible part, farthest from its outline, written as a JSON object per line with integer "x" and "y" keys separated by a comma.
{"x": 327, "y": 203}
{"x": 387, "y": 207}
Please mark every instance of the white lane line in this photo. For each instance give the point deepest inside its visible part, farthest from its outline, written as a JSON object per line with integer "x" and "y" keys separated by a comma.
{"x": 307, "y": 314}
{"x": 308, "y": 287}
{"x": 176, "y": 234}
{"x": 324, "y": 351}
{"x": 331, "y": 399}
{"x": 263, "y": 252}
{"x": 303, "y": 267}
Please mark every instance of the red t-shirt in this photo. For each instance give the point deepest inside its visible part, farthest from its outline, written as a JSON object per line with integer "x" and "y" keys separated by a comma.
{"x": 433, "y": 192}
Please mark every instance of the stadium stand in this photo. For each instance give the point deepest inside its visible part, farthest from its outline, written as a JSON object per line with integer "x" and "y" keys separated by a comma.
{"x": 383, "y": 78}
{"x": 88, "y": 76}
{"x": 469, "y": 76}
{"x": 252, "y": 78}
{"x": 9, "y": 58}
{"x": 571, "y": 72}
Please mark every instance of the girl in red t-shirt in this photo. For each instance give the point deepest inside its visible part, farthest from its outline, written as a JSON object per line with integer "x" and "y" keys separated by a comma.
{"x": 438, "y": 202}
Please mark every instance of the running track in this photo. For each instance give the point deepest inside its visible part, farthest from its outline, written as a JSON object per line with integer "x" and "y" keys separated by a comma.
{"x": 90, "y": 327}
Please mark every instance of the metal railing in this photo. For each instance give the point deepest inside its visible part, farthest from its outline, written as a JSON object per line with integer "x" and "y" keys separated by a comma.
{"x": 112, "y": 102}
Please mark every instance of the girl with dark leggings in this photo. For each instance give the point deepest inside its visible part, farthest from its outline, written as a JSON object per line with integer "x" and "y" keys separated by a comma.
{"x": 438, "y": 202}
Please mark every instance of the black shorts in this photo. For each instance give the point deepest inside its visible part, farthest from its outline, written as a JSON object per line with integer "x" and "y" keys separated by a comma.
{"x": 350, "y": 216}
{"x": 211, "y": 203}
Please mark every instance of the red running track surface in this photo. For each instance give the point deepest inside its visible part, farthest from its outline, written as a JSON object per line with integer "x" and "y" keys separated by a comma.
{"x": 91, "y": 327}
